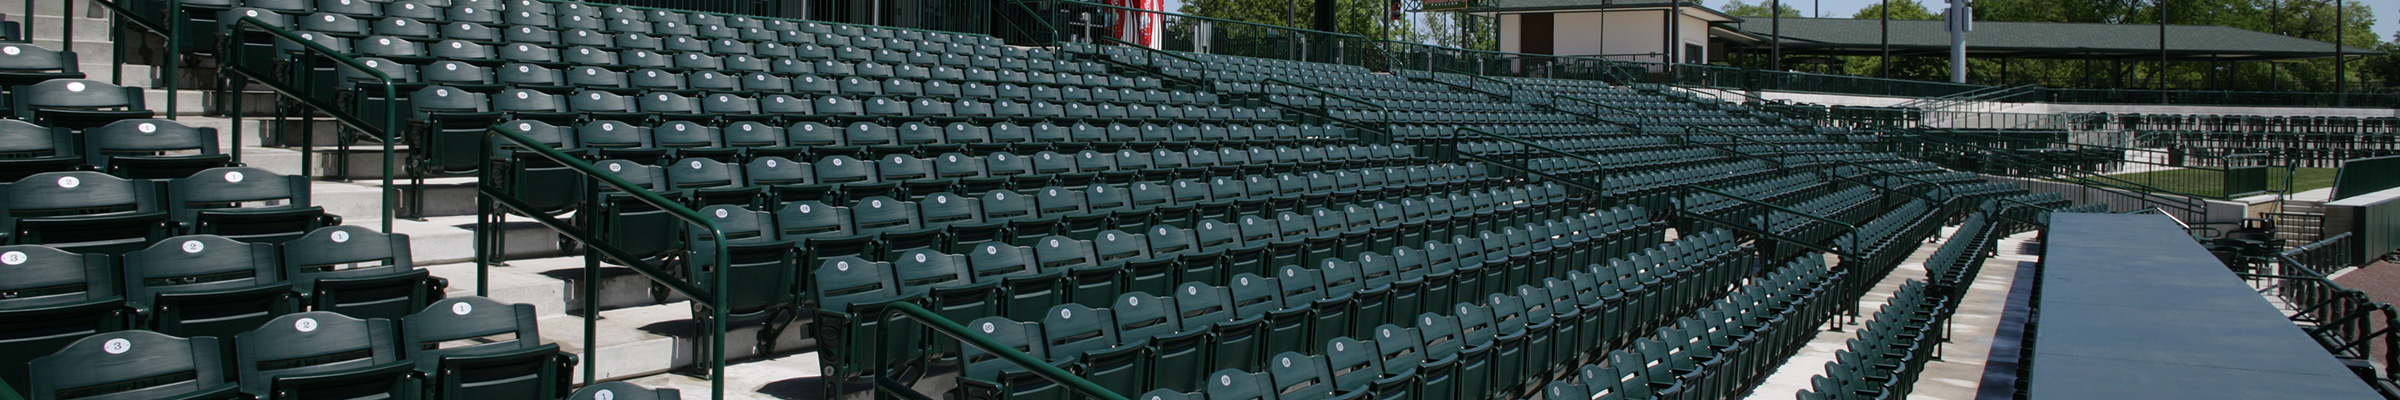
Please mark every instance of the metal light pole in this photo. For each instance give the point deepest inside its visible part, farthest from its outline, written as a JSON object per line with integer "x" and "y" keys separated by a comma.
{"x": 1884, "y": 67}
{"x": 1961, "y": 19}
{"x": 1775, "y": 56}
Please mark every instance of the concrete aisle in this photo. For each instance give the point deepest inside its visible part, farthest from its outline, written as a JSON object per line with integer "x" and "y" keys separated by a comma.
{"x": 1954, "y": 377}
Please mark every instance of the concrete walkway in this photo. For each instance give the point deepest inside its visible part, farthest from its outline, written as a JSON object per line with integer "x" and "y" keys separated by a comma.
{"x": 1959, "y": 372}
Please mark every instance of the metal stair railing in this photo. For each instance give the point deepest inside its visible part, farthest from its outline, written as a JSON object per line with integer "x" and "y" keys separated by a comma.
{"x": 2185, "y": 203}
{"x": 1205, "y": 68}
{"x": 1381, "y": 129}
{"x": 294, "y": 79}
{"x": 168, "y": 26}
{"x": 1082, "y": 387}
{"x": 1598, "y": 187}
{"x": 1512, "y": 86}
{"x": 491, "y": 200}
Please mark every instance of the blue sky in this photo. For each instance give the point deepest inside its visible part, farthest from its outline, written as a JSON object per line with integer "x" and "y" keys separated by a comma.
{"x": 2387, "y": 12}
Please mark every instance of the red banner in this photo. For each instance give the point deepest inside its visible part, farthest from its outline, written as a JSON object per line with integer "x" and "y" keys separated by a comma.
{"x": 1136, "y": 26}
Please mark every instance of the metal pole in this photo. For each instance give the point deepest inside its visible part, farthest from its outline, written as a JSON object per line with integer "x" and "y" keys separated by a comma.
{"x": 1960, "y": 19}
{"x": 1775, "y": 12}
{"x": 2162, "y": 50}
{"x": 2340, "y": 70}
{"x": 1885, "y": 66}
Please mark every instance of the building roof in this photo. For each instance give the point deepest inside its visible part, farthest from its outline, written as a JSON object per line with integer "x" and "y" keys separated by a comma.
{"x": 1844, "y": 36}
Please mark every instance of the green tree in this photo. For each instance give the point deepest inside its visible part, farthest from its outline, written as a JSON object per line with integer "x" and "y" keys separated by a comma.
{"x": 1739, "y": 9}
{"x": 1915, "y": 67}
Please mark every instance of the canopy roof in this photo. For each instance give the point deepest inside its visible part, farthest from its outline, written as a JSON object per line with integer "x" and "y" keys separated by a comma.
{"x": 1843, "y": 36}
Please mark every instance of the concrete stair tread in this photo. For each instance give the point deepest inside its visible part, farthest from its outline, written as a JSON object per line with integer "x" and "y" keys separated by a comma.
{"x": 553, "y": 285}
{"x": 791, "y": 376}
{"x": 447, "y": 239}
{"x": 626, "y": 348}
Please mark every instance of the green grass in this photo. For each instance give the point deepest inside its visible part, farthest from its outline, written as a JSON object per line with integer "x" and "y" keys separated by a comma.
{"x": 2210, "y": 183}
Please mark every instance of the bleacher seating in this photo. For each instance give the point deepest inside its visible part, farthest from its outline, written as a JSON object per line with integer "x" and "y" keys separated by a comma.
{"x": 1098, "y": 207}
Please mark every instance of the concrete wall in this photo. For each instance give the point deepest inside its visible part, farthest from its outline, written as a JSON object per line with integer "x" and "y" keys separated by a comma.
{"x": 1584, "y": 34}
{"x": 1511, "y": 38}
{"x": 1620, "y": 32}
{"x": 2373, "y": 217}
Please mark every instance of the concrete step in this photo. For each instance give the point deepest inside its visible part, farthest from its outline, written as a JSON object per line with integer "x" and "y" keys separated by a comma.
{"x": 554, "y": 285}
{"x": 51, "y": 25}
{"x": 187, "y": 102}
{"x": 652, "y": 340}
{"x": 451, "y": 239}
{"x": 366, "y": 162}
{"x": 53, "y": 8}
{"x": 783, "y": 377}
{"x": 135, "y": 75}
{"x": 364, "y": 198}
{"x": 444, "y": 196}
{"x": 87, "y": 49}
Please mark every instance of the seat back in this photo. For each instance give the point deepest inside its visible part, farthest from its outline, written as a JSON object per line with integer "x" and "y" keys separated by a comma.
{"x": 313, "y": 344}
{"x": 148, "y": 148}
{"x": 620, "y": 390}
{"x": 507, "y": 359}
{"x": 198, "y": 264}
{"x": 212, "y": 202}
{"x": 124, "y": 362}
{"x": 357, "y": 271}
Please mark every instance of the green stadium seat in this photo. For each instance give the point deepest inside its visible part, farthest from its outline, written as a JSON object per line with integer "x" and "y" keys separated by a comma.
{"x": 620, "y": 390}
{"x": 68, "y": 296}
{"x": 348, "y": 357}
{"x": 83, "y": 211}
{"x": 161, "y": 286}
{"x": 145, "y": 148}
{"x": 209, "y": 202}
{"x": 358, "y": 272}
{"x": 39, "y": 149}
{"x": 124, "y": 365}
{"x": 77, "y": 103}
{"x": 858, "y": 340}
{"x": 762, "y": 270}
{"x": 516, "y": 366}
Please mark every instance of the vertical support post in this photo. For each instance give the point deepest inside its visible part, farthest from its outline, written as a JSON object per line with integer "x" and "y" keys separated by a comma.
{"x": 1775, "y": 52}
{"x": 1884, "y": 66}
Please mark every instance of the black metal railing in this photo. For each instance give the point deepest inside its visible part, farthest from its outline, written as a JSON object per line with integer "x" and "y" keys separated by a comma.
{"x": 2343, "y": 320}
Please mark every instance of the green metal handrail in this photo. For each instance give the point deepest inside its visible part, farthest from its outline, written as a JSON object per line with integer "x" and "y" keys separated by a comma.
{"x": 1512, "y": 86}
{"x": 950, "y": 328}
{"x": 1037, "y": 17}
{"x": 1772, "y": 206}
{"x": 235, "y": 53}
{"x": 8, "y": 393}
{"x": 713, "y": 299}
{"x": 1205, "y": 68}
{"x": 1601, "y": 183}
{"x": 1384, "y": 112}
{"x": 1937, "y": 188}
{"x": 1778, "y": 163}
{"x": 171, "y": 29}
{"x": 2190, "y": 204}
{"x": 1721, "y": 223}
{"x": 1328, "y": 93}
{"x": 1596, "y": 103}
{"x": 1597, "y": 193}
